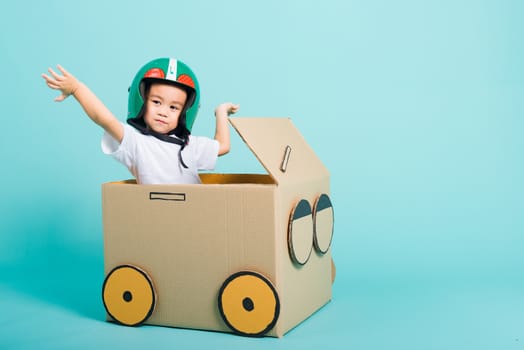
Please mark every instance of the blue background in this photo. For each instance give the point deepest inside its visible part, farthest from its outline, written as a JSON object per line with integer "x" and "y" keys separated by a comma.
{"x": 415, "y": 107}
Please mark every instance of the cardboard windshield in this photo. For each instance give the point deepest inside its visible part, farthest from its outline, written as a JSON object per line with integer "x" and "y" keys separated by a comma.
{"x": 280, "y": 148}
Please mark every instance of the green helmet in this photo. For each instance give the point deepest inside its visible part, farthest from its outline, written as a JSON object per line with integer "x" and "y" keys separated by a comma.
{"x": 164, "y": 70}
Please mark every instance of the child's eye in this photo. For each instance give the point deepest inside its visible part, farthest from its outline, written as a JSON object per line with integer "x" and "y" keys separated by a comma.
{"x": 156, "y": 102}
{"x": 175, "y": 108}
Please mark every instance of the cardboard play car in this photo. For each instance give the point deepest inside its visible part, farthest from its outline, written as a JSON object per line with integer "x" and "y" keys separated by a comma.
{"x": 243, "y": 253}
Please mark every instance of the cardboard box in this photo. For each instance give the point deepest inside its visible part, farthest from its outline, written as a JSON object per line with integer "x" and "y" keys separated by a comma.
{"x": 244, "y": 253}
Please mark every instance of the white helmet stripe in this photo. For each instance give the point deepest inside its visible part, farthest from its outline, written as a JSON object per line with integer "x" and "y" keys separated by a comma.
{"x": 171, "y": 69}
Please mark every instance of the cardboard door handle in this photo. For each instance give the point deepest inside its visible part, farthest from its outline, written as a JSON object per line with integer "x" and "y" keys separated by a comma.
{"x": 167, "y": 196}
{"x": 285, "y": 159}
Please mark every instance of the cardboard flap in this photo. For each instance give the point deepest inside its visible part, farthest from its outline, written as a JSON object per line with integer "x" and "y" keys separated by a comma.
{"x": 280, "y": 148}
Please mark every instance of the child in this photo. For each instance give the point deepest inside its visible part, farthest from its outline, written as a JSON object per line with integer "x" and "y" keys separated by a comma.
{"x": 156, "y": 146}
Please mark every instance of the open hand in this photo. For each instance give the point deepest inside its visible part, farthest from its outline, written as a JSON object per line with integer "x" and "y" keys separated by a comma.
{"x": 66, "y": 82}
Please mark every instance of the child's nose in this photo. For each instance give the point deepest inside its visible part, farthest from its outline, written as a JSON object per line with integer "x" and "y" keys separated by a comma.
{"x": 164, "y": 111}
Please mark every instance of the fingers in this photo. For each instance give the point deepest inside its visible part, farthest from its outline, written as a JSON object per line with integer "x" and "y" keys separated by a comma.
{"x": 227, "y": 108}
{"x": 47, "y": 78}
{"x": 55, "y": 81}
{"x": 62, "y": 70}
{"x": 52, "y": 83}
{"x": 55, "y": 75}
{"x": 233, "y": 108}
{"x": 60, "y": 98}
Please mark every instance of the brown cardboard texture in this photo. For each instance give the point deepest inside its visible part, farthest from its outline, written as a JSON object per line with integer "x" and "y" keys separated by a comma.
{"x": 243, "y": 253}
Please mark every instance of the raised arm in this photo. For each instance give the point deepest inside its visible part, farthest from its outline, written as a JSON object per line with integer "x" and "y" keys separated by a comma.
{"x": 94, "y": 108}
{"x": 222, "y": 128}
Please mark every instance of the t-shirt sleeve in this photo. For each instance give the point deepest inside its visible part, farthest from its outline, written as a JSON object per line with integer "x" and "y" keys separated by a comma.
{"x": 205, "y": 152}
{"x": 122, "y": 152}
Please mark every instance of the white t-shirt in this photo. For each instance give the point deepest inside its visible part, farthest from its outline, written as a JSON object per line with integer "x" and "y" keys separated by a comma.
{"x": 152, "y": 161}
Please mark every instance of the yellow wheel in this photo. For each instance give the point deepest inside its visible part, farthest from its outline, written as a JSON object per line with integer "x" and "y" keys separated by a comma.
{"x": 249, "y": 303}
{"x": 129, "y": 296}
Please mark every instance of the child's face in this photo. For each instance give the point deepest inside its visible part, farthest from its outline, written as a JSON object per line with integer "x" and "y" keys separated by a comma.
{"x": 164, "y": 104}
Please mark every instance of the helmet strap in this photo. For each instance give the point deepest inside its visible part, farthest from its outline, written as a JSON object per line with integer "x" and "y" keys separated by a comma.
{"x": 139, "y": 124}
{"x": 170, "y": 139}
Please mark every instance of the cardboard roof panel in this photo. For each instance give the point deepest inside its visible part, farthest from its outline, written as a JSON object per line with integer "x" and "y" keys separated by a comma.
{"x": 280, "y": 148}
